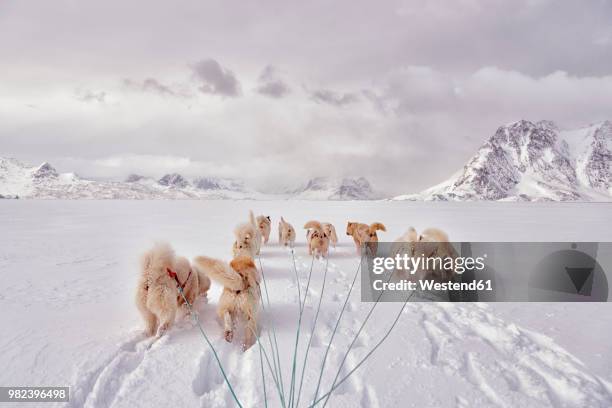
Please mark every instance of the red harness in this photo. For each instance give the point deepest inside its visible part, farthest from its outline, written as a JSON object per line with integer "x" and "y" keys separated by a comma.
{"x": 173, "y": 275}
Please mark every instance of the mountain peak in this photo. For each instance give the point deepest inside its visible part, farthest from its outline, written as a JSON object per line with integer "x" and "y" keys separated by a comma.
{"x": 328, "y": 188}
{"x": 134, "y": 178}
{"x": 173, "y": 180}
{"x": 45, "y": 170}
{"x": 534, "y": 161}
{"x": 216, "y": 183}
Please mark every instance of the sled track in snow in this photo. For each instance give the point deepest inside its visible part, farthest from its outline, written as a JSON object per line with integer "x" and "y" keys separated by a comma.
{"x": 98, "y": 386}
{"x": 503, "y": 364}
{"x": 510, "y": 365}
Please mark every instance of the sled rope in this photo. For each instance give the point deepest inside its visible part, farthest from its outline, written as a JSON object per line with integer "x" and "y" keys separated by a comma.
{"x": 314, "y": 324}
{"x": 348, "y": 295}
{"x": 302, "y": 304}
{"x": 274, "y": 349}
{"x": 194, "y": 316}
{"x": 357, "y": 336}
{"x": 387, "y": 333}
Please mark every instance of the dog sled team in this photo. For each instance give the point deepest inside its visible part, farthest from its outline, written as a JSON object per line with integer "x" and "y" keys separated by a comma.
{"x": 163, "y": 272}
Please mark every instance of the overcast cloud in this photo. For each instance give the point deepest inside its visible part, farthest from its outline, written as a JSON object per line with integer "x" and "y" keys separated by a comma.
{"x": 401, "y": 92}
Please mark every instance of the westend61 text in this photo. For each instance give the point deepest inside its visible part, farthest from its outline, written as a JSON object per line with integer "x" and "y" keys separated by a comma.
{"x": 429, "y": 285}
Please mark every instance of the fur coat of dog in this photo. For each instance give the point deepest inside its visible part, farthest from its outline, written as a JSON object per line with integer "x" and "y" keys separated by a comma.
{"x": 157, "y": 296}
{"x": 241, "y": 294}
{"x": 286, "y": 233}
{"x": 318, "y": 241}
{"x": 364, "y": 234}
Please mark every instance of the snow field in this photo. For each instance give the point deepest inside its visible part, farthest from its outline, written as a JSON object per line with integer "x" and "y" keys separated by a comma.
{"x": 70, "y": 270}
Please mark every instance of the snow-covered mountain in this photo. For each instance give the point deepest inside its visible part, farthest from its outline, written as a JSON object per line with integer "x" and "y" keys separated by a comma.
{"x": 44, "y": 181}
{"x": 325, "y": 188}
{"x": 522, "y": 161}
{"x": 216, "y": 183}
{"x": 534, "y": 162}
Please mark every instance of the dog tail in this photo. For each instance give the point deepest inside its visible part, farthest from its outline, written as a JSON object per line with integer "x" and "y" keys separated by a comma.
{"x": 158, "y": 258}
{"x": 334, "y": 235}
{"x": 204, "y": 281}
{"x": 313, "y": 225}
{"x": 332, "y": 231}
{"x": 252, "y": 218}
{"x": 283, "y": 220}
{"x": 219, "y": 271}
{"x": 377, "y": 226}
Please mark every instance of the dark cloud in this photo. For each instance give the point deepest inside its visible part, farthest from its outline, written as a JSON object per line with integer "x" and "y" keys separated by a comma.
{"x": 154, "y": 86}
{"x": 333, "y": 98}
{"x": 440, "y": 77}
{"x": 270, "y": 84}
{"x": 274, "y": 89}
{"x": 216, "y": 79}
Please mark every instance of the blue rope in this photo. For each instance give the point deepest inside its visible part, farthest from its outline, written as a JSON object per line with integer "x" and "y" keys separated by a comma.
{"x": 197, "y": 321}
{"x": 274, "y": 349}
{"x": 314, "y": 324}
{"x": 299, "y": 326}
{"x": 334, "y": 332}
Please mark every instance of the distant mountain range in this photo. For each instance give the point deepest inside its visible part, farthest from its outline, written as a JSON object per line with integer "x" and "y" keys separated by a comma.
{"x": 19, "y": 180}
{"x": 525, "y": 161}
{"x": 522, "y": 161}
{"x": 325, "y": 188}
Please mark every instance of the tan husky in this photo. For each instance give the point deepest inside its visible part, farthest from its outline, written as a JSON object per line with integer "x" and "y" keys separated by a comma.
{"x": 318, "y": 241}
{"x": 157, "y": 297}
{"x": 363, "y": 233}
{"x": 286, "y": 233}
{"x": 241, "y": 295}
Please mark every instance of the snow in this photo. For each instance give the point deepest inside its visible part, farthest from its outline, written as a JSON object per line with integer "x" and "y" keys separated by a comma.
{"x": 70, "y": 270}
{"x": 25, "y": 181}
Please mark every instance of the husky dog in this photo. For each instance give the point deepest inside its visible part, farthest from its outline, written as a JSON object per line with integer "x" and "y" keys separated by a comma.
{"x": 264, "y": 223}
{"x": 405, "y": 245}
{"x": 441, "y": 244}
{"x": 258, "y": 236}
{"x": 330, "y": 231}
{"x": 363, "y": 233}
{"x": 286, "y": 233}
{"x": 157, "y": 297}
{"x": 248, "y": 238}
{"x": 432, "y": 242}
{"x": 241, "y": 295}
{"x": 318, "y": 241}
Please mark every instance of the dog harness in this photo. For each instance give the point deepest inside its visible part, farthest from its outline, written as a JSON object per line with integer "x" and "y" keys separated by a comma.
{"x": 173, "y": 274}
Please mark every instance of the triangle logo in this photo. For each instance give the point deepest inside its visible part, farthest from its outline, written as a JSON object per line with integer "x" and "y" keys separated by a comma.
{"x": 579, "y": 276}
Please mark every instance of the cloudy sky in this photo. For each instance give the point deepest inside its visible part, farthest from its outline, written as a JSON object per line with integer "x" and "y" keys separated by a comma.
{"x": 275, "y": 92}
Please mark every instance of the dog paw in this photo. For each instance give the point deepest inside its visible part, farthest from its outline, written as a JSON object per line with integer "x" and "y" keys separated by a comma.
{"x": 162, "y": 329}
{"x": 229, "y": 336}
